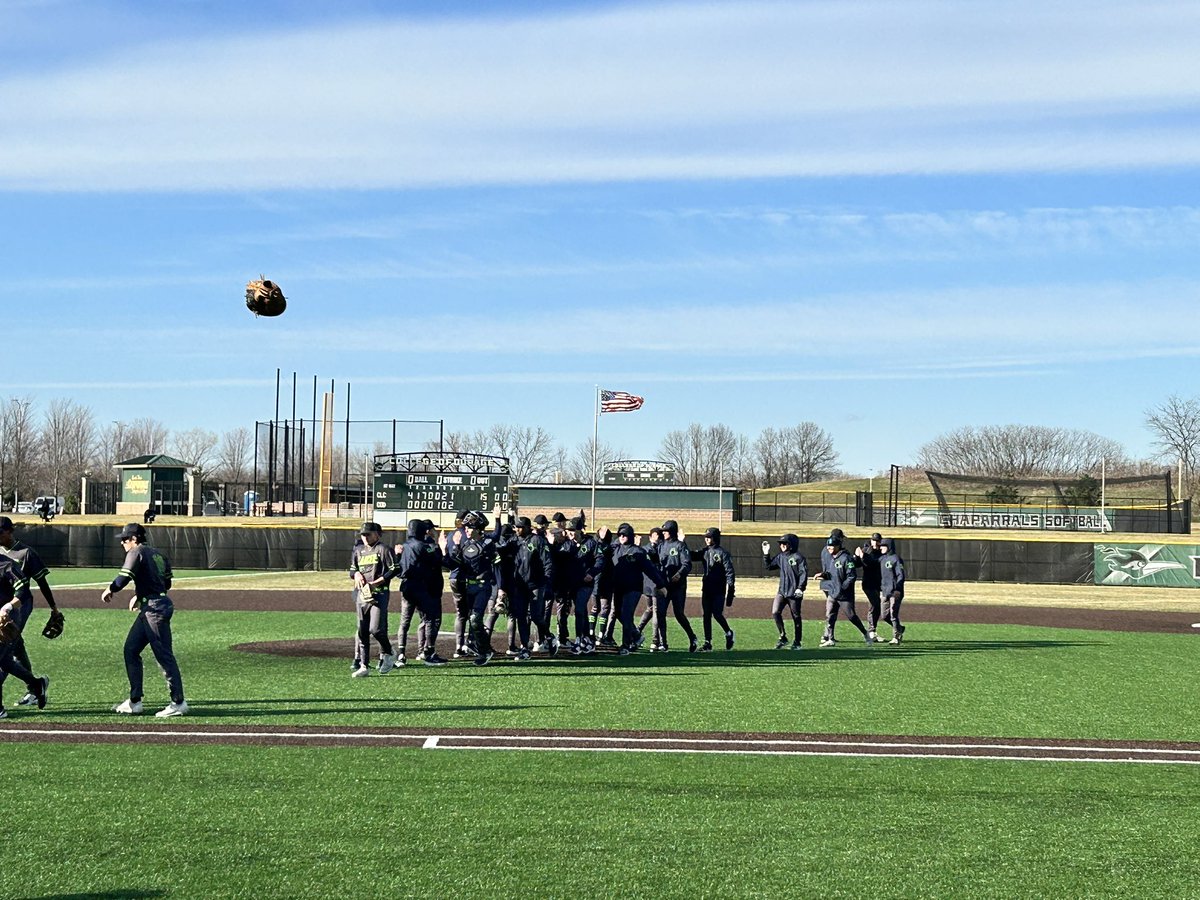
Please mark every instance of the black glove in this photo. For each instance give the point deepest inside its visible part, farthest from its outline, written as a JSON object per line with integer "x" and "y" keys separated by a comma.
{"x": 54, "y": 625}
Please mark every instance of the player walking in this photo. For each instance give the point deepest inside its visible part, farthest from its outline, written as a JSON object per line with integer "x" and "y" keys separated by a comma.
{"x": 793, "y": 579}
{"x": 150, "y": 573}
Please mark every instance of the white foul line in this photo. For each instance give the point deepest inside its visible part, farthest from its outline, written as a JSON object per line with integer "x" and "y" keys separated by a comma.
{"x": 596, "y": 744}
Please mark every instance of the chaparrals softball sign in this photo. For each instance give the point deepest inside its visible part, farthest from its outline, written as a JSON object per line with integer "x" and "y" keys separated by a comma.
{"x": 436, "y": 485}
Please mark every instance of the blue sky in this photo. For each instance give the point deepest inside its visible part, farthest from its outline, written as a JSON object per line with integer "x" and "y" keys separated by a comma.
{"x": 890, "y": 218}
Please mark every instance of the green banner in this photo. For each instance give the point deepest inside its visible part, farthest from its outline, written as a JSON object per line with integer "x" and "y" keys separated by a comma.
{"x": 1147, "y": 565}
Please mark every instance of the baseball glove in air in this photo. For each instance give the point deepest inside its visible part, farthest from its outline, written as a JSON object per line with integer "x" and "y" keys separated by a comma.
{"x": 265, "y": 298}
{"x": 54, "y": 625}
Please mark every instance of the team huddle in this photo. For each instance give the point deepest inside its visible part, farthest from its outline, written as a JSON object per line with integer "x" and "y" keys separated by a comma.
{"x": 562, "y": 588}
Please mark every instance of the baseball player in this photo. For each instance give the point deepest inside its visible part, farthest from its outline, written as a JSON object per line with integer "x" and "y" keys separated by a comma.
{"x": 716, "y": 587}
{"x": 372, "y": 566}
{"x": 419, "y": 569}
{"x": 891, "y": 568}
{"x": 150, "y": 573}
{"x": 675, "y": 560}
{"x": 630, "y": 565}
{"x": 793, "y": 579}
{"x": 582, "y": 562}
{"x": 867, "y": 559}
{"x": 837, "y": 581}
{"x": 27, "y": 567}
{"x": 11, "y": 623}
{"x": 471, "y": 555}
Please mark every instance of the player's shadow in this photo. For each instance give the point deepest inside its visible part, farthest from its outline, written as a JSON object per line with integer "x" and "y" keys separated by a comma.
{"x": 856, "y": 649}
{"x": 306, "y": 706}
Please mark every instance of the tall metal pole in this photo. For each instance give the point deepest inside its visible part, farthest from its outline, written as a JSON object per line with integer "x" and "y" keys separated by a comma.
{"x": 595, "y": 451}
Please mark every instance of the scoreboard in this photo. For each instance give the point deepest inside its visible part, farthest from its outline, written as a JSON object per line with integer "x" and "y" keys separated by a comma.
{"x": 435, "y": 486}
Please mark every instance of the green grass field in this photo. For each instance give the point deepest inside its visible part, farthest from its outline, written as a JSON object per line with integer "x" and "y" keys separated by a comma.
{"x": 188, "y": 821}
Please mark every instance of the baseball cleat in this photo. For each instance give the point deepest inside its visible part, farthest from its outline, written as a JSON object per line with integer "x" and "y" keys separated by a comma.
{"x": 828, "y": 642}
{"x": 729, "y": 639}
{"x": 485, "y": 658}
{"x": 434, "y": 660}
{"x": 706, "y": 647}
{"x": 693, "y": 646}
{"x": 28, "y": 700}
{"x": 172, "y": 709}
{"x": 42, "y": 697}
{"x": 782, "y": 643}
{"x": 3, "y": 713}
{"x": 128, "y": 708}
{"x": 795, "y": 646}
{"x": 387, "y": 662}
{"x": 360, "y": 672}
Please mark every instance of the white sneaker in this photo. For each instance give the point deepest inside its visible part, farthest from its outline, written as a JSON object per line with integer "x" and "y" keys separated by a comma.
{"x": 360, "y": 672}
{"x": 386, "y": 663}
{"x": 536, "y": 648}
{"x": 828, "y": 642}
{"x": 128, "y": 708}
{"x": 172, "y": 709}
{"x": 894, "y": 640}
{"x": 400, "y": 661}
{"x": 28, "y": 700}
{"x": 874, "y": 637}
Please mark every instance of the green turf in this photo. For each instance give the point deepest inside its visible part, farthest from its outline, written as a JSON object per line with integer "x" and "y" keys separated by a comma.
{"x": 946, "y": 679}
{"x": 70, "y": 577}
{"x": 118, "y": 821}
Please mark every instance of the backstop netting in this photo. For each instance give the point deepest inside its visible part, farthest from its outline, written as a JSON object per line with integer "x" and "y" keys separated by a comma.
{"x": 1141, "y": 503}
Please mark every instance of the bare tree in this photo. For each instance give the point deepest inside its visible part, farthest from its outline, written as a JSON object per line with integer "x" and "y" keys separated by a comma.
{"x": 575, "y": 466}
{"x": 18, "y": 444}
{"x": 530, "y": 451}
{"x": 68, "y": 445}
{"x": 196, "y": 446}
{"x": 702, "y": 455}
{"x": 1019, "y": 451}
{"x": 115, "y": 445}
{"x": 233, "y": 456}
{"x": 146, "y": 436}
{"x": 1175, "y": 424}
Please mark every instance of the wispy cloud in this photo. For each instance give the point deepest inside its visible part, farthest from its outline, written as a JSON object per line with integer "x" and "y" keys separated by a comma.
{"x": 665, "y": 91}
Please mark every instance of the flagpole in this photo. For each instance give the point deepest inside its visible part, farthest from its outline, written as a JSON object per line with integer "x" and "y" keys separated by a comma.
{"x": 595, "y": 438}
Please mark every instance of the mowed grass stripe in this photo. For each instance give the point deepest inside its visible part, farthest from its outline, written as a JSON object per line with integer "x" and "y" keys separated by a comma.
{"x": 388, "y": 822}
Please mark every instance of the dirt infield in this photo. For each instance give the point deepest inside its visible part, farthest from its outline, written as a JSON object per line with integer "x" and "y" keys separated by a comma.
{"x": 1041, "y": 616}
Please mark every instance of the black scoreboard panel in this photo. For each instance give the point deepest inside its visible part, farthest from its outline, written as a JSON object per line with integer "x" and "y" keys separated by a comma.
{"x": 432, "y": 492}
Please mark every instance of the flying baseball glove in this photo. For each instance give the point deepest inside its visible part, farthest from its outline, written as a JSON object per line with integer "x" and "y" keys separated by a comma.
{"x": 265, "y": 298}
{"x": 54, "y": 625}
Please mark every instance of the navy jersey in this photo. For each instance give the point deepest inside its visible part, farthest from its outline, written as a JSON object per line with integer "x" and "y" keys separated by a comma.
{"x": 793, "y": 572}
{"x": 27, "y": 567}
{"x": 842, "y": 573}
{"x": 891, "y": 568}
{"x": 149, "y": 571}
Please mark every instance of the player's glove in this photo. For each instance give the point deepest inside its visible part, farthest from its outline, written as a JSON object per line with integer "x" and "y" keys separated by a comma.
{"x": 501, "y": 607}
{"x": 54, "y": 625}
{"x": 265, "y": 298}
{"x": 766, "y": 547}
{"x": 365, "y": 594}
{"x": 10, "y": 631}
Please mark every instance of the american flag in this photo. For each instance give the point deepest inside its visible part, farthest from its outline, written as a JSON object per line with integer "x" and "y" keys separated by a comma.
{"x": 619, "y": 401}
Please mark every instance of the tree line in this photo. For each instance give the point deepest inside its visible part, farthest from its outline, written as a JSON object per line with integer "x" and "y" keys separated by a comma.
{"x": 49, "y": 450}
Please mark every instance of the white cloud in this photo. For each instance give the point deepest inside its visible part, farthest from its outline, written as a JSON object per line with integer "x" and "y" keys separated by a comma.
{"x": 666, "y": 91}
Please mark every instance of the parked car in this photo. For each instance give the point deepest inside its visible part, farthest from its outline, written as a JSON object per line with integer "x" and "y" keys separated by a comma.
{"x": 56, "y": 505}
{"x": 23, "y": 508}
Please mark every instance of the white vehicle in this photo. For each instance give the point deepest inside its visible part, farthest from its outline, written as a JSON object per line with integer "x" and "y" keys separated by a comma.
{"x": 23, "y": 508}
{"x": 57, "y": 505}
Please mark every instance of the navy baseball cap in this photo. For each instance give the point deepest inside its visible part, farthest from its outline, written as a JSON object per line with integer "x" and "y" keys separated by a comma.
{"x": 370, "y": 528}
{"x": 132, "y": 530}
{"x": 6, "y": 524}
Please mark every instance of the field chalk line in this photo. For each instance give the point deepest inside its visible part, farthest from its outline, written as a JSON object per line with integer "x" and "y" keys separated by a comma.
{"x": 836, "y": 746}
